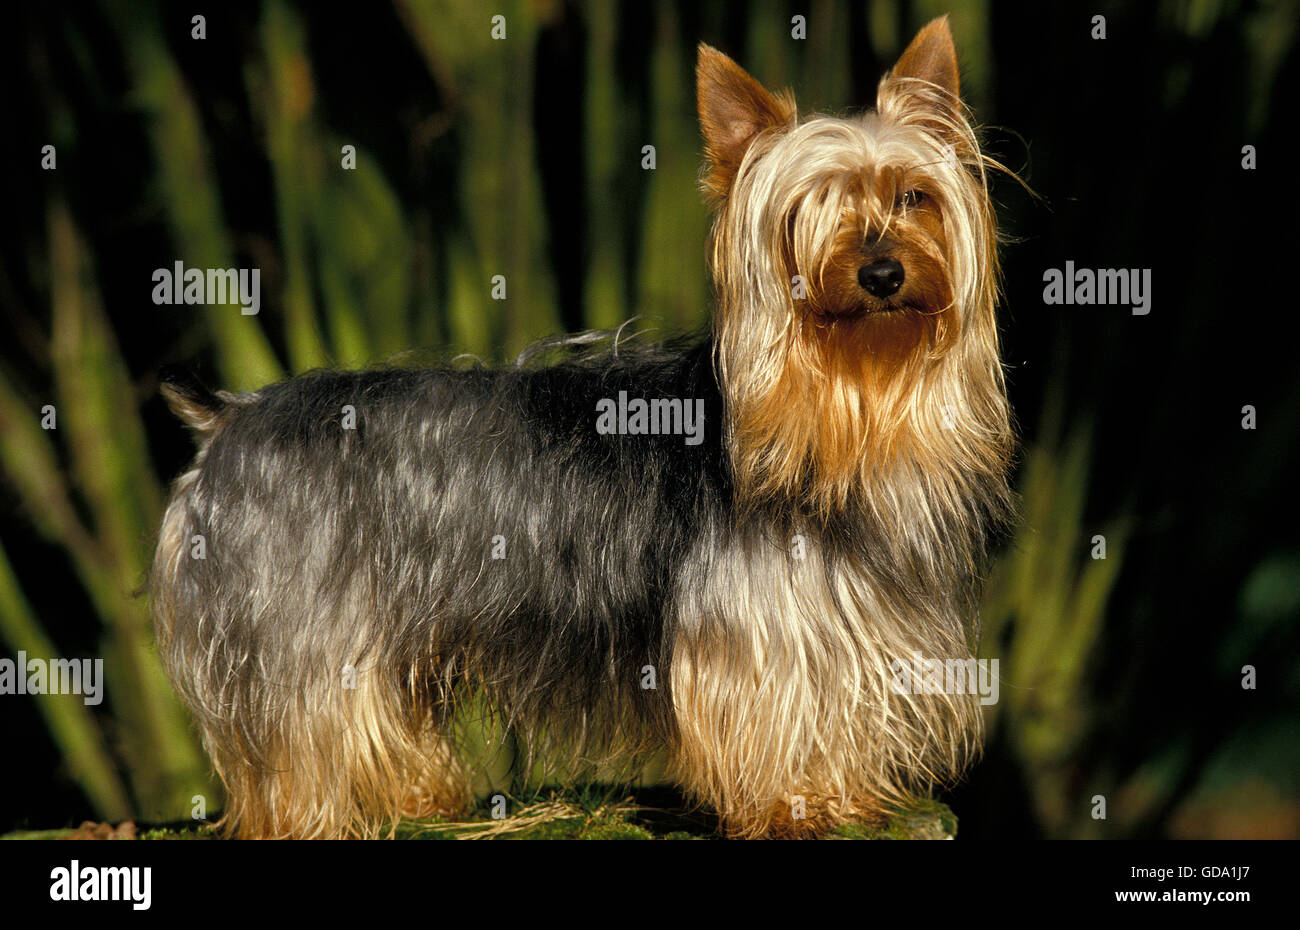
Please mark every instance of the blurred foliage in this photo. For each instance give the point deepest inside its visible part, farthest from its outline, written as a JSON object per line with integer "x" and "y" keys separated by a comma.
{"x": 477, "y": 157}
{"x": 1044, "y": 611}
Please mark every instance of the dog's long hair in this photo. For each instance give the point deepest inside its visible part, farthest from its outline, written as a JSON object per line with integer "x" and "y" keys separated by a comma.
{"x": 474, "y": 535}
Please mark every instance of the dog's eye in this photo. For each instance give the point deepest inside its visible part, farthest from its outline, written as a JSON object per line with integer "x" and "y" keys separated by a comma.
{"x": 910, "y": 198}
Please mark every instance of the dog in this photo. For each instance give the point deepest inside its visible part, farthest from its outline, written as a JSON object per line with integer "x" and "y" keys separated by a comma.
{"x": 721, "y": 549}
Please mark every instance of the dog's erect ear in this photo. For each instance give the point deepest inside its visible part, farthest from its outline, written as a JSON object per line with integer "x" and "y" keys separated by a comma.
{"x": 923, "y": 89}
{"x": 734, "y": 108}
{"x": 931, "y": 57}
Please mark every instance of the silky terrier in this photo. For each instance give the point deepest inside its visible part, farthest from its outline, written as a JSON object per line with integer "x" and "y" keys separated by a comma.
{"x": 720, "y": 550}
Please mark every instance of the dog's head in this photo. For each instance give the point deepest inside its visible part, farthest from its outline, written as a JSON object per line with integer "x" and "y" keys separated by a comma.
{"x": 852, "y": 257}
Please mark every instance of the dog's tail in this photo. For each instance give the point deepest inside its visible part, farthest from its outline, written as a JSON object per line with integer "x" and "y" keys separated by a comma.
{"x": 200, "y": 409}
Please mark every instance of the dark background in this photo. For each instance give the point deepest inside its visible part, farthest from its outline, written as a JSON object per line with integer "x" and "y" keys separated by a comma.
{"x": 522, "y": 157}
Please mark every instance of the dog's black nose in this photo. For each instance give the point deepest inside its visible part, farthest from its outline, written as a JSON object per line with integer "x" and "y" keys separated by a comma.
{"x": 882, "y": 278}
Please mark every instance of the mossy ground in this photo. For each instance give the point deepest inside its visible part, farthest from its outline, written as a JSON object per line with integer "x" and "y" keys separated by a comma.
{"x": 589, "y": 814}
